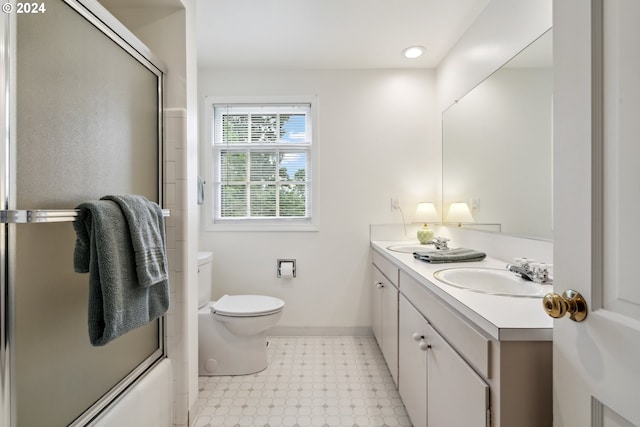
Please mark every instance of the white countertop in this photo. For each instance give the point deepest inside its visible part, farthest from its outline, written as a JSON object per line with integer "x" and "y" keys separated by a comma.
{"x": 504, "y": 318}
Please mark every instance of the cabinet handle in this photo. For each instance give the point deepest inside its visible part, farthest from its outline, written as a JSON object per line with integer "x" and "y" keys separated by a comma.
{"x": 379, "y": 285}
{"x": 424, "y": 346}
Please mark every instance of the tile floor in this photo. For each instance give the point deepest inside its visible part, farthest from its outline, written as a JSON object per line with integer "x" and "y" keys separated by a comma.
{"x": 310, "y": 381}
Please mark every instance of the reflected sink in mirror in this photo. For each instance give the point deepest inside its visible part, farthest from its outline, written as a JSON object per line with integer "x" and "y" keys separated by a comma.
{"x": 409, "y": 249}
{"x": 491, "y": 281}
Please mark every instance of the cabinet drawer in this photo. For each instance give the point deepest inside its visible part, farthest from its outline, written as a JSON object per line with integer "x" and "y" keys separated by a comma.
{"x": 386, "y": 267}
{"x": 470, "y": 343}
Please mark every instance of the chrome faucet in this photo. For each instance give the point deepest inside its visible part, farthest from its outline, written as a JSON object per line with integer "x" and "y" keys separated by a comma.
{"x": 439, "y": 243}
{"x": 529, "y": 269}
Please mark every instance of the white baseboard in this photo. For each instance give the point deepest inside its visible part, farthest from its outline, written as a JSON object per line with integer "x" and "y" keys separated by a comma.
{"x": 320, "y": 331}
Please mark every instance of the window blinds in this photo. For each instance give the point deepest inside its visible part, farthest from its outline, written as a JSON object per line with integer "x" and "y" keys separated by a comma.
{"x": 263, "y": 158}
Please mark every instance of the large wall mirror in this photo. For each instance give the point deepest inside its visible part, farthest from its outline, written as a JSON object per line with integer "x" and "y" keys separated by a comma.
{"x": 497, "y": 147}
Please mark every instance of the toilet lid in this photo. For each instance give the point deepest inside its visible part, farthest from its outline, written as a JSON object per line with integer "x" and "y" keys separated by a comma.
{"x": 246, "y": 305}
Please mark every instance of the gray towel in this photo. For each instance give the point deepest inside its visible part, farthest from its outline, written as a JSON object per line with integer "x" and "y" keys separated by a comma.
{"x": 117, "y": 303}
{"x": 146, "y": 226}
{"x": 451, "y": 255}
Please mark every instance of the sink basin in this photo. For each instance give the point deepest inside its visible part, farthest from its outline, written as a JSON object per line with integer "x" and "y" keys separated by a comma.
{"x": 491, "y": 281}
{"x": 409, "y": 249}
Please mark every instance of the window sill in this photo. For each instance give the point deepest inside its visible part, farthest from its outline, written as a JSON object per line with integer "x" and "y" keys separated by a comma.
{"x": 261, "y": 225}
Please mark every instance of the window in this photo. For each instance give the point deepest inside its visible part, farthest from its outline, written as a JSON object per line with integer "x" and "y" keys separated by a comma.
{"x": 263, "y": 164}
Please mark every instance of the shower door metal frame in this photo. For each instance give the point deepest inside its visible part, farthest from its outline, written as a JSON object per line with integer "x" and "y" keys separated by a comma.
{"x": 7, "y": 123}
{"x": 100, "y": 18}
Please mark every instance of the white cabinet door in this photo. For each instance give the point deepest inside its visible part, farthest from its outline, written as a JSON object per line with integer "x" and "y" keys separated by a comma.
{"x": 384, "y": 319}
{"x": 390, "y": 328}
{"x": 413, "y": 363}
{"x": 376, "y": 304}
{"x": 456, "y": 395}
{"x": 596, "y": 180}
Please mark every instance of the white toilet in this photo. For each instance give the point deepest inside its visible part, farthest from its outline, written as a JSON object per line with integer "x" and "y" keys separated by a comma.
{"x": 232, "y": 330}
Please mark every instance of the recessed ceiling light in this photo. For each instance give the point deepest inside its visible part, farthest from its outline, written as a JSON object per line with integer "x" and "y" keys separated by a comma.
{"x": 413, "y": 52}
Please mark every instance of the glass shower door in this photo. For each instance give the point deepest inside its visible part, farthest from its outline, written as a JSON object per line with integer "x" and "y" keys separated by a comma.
{"x": 88, "y": 124}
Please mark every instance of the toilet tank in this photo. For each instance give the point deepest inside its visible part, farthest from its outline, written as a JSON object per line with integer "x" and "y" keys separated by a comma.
{"x": 204, "y": 278}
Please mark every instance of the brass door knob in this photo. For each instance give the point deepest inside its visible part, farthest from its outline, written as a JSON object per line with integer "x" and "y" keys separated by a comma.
{"x": 570, "y": 302}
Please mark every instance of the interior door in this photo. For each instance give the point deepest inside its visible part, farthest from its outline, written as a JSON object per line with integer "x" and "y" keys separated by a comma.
{"x": 596, "y": 205}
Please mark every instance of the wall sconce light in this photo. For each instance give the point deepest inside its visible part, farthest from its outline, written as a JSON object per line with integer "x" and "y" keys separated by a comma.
{"x": 459, "y": 212}
{"x": 426, "y": 212}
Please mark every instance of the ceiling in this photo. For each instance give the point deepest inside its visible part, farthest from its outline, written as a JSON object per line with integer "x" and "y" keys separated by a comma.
{"x": 338, "y": 34}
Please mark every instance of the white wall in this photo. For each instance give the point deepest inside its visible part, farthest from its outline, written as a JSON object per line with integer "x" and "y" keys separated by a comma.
{"x": 376, "y": 140}
{"x": 502, "y": 30}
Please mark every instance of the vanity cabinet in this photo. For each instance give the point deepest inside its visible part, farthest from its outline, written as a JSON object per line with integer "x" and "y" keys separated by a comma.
{"x": 471, "y": 379}
{"x": 432, "y": 372}
{"x": 385, "y": 311}
{"x": 453, "y": 365}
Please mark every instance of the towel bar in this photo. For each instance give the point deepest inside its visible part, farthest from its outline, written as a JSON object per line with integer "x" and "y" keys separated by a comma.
{"x": 46, "y": 215}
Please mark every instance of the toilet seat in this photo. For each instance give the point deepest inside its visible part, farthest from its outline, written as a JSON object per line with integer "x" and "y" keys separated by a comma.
{"x": 246, "y": 305}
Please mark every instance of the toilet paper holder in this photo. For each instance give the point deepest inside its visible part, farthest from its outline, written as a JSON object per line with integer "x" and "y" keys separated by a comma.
{"x": 286, "y": 262}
